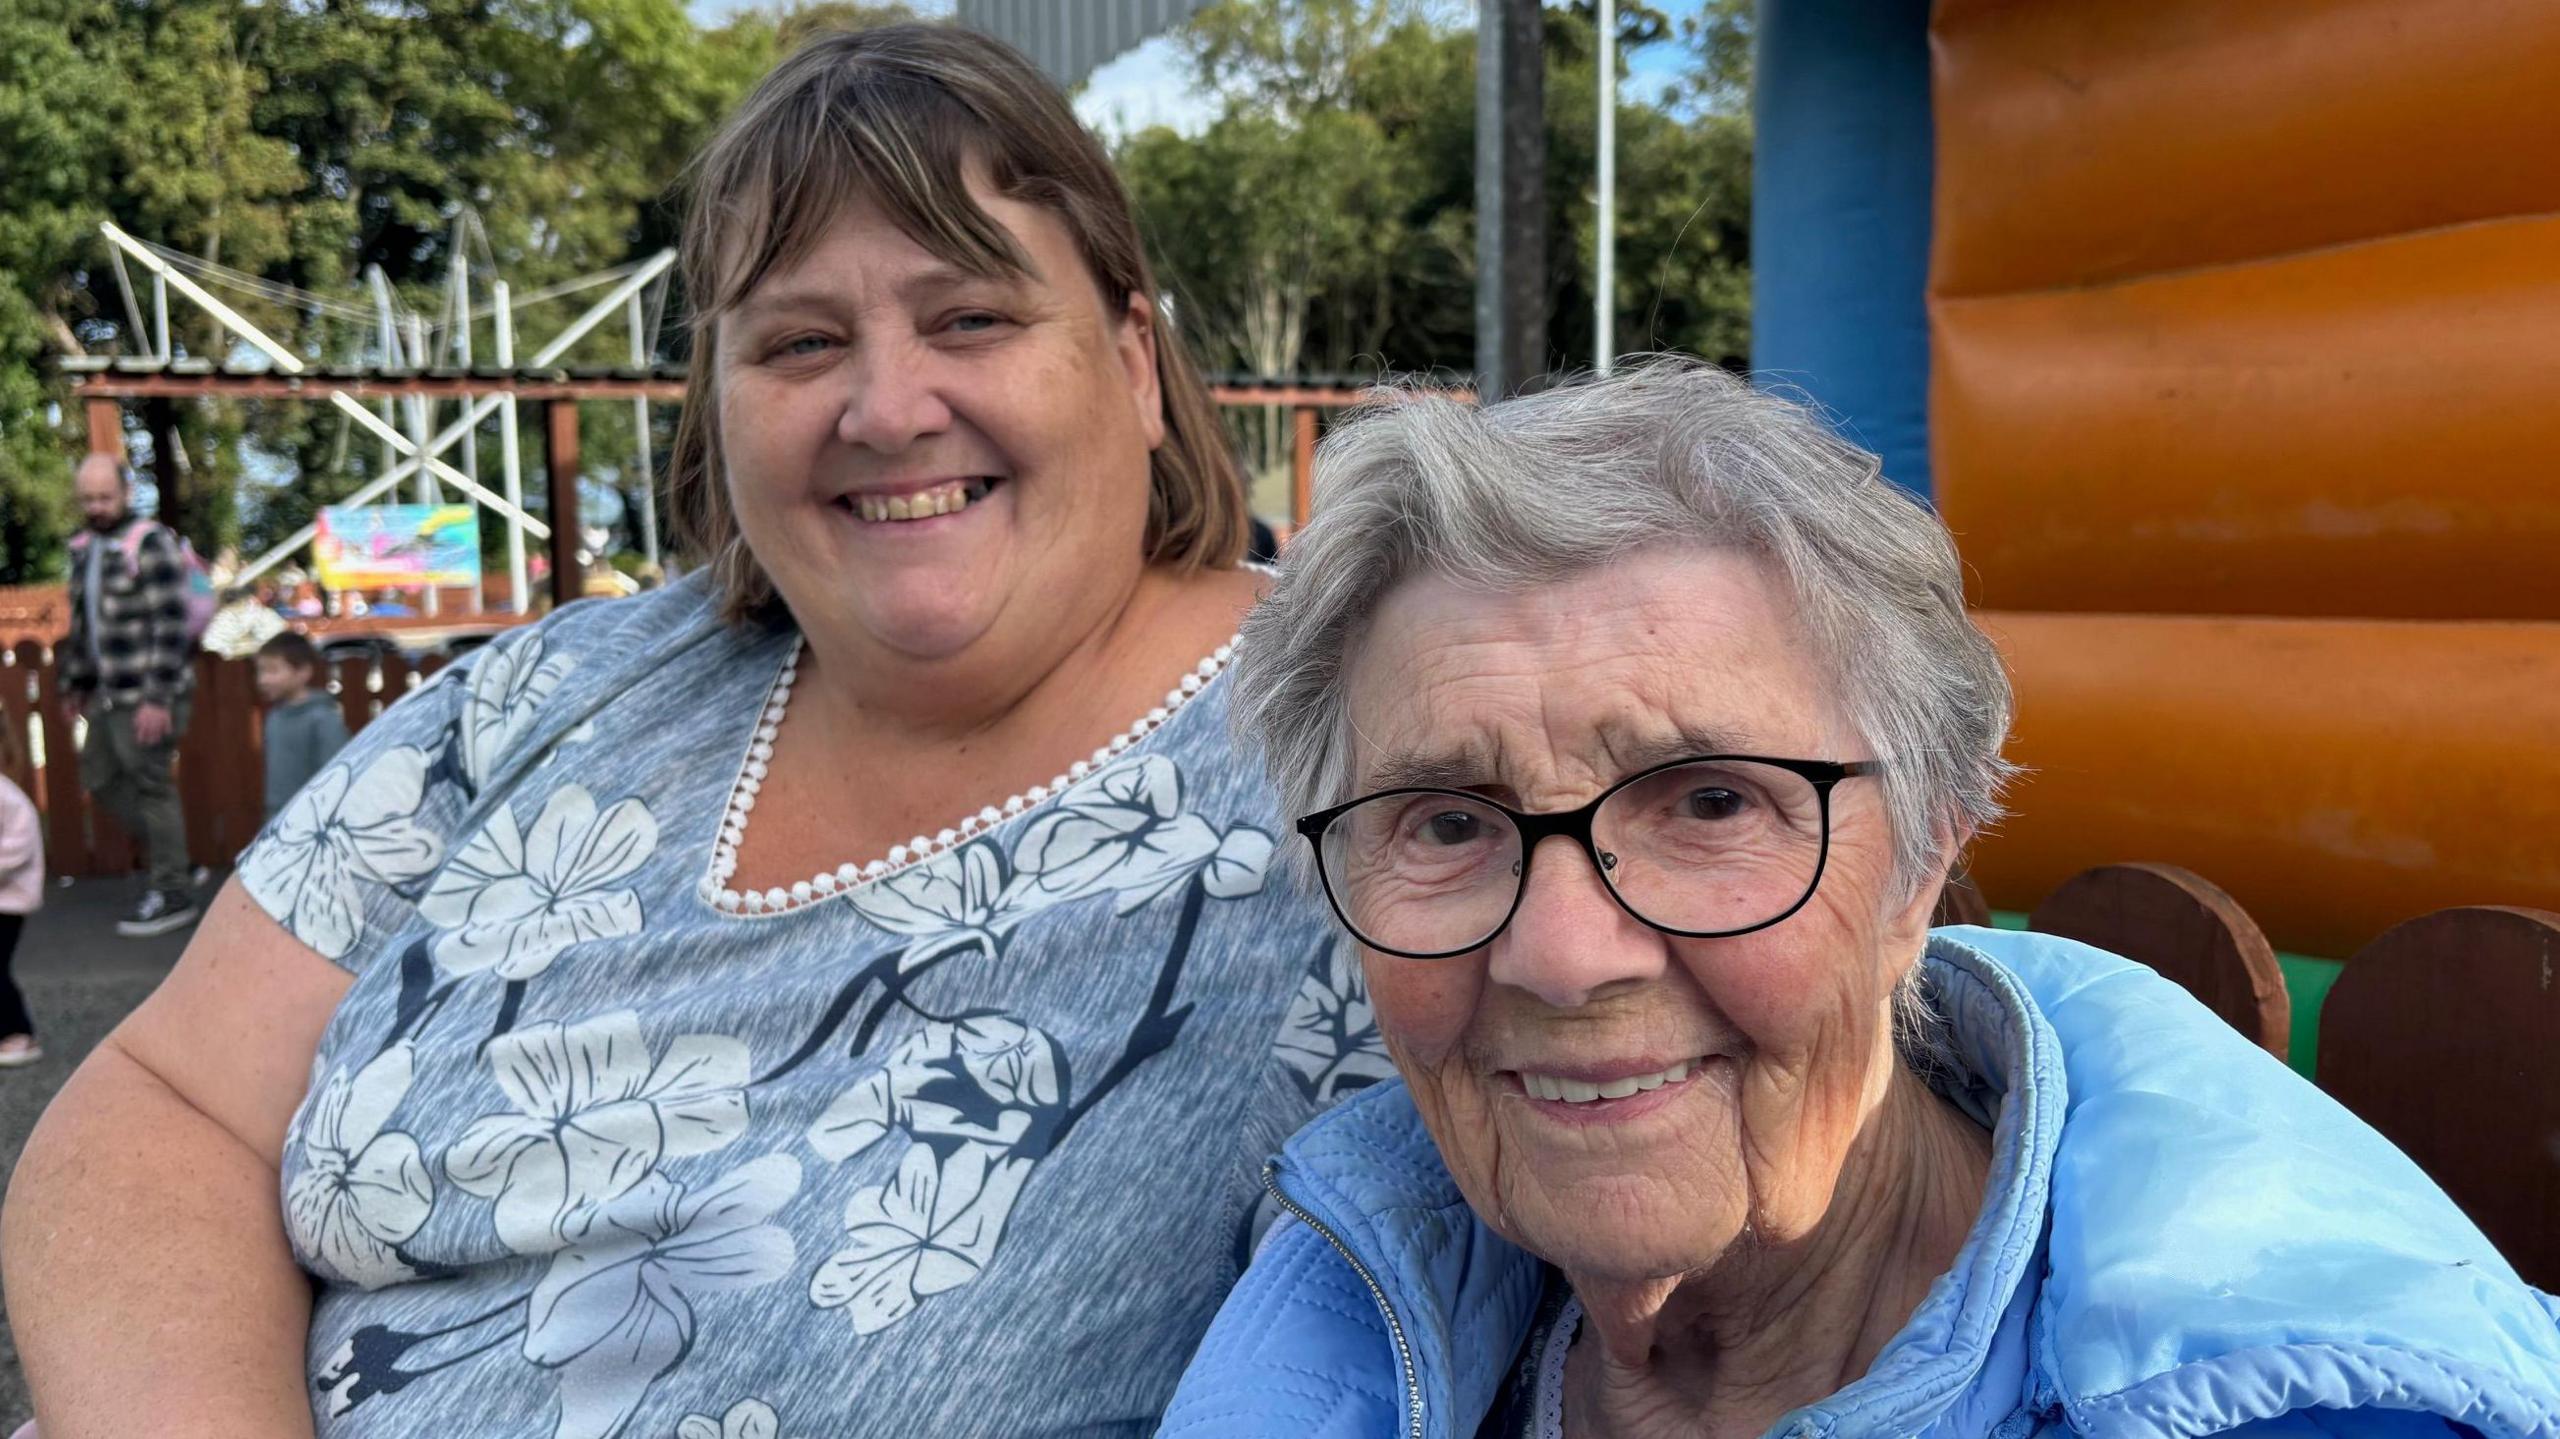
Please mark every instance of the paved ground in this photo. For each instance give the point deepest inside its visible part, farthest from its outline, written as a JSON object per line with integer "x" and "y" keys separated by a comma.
{"x": 79, "y": 978}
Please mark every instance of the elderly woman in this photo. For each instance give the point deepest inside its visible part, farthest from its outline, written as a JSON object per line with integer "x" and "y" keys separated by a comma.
{"x": 1635, "y": 726}
{"x": 807, "y": 998}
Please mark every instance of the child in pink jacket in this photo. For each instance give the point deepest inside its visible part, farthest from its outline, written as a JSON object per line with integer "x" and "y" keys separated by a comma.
{"x": 21, "y": 891}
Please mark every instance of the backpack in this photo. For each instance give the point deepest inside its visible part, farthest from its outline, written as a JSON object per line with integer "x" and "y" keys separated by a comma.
{"x": 201, "y": 601}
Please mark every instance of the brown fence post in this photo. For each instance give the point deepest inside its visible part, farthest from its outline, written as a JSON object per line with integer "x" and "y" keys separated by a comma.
{"x": 2184, "y": 927}
{"x": 106, "y": 425}
{"x": 395, "y": 680}
{"x": 222, "y": 762}
{"x": 1302, "y": 470}
{"x": 355, "y": 701}
{"x": 66, "y": 834}
{"x": 201, "y": 763}
{"x": 17, "y": 706}
{"x": 81, "y": 838}
{"x": 2444, "y": 1034}
{"x": 560, "y": 456}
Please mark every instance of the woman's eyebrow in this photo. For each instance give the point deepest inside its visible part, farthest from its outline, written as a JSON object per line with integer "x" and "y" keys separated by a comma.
{"x": 927, "y": 282}
{"x": 1686, "y": 741}
{"x": 1469, "y": 766}
{"x": 1463, "y": 768}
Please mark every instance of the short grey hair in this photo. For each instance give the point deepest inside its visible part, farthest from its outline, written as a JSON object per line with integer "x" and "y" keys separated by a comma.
{"x": 1552, "y": 485}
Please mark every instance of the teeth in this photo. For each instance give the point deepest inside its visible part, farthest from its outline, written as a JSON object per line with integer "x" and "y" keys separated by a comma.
{"x": 948, "y": 499}
{"x": 1574, "y": 1091}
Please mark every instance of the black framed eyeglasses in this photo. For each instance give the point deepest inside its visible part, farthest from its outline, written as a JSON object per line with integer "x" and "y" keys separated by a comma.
{"x": 1703, "y": 848}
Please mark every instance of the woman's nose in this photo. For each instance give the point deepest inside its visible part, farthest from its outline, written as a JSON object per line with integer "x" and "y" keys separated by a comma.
{"x": 894, "y": 398}
{"x": 1570, "y": 939}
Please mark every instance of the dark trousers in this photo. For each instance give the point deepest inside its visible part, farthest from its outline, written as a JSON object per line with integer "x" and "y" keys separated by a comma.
{"x": 13, "y": 1005}
{"x": 135, "y": 784}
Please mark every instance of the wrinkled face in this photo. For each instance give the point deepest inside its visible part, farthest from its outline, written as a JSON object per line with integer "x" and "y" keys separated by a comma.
{"x": 1781, "y": 1038}
{"x": 99, "y": 487}
{"x": 923, "y": 456}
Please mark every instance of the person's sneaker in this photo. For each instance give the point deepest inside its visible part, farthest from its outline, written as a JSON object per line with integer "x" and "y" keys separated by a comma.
{"x": 159, "y": 913}
{"x": 19, "y": 1050}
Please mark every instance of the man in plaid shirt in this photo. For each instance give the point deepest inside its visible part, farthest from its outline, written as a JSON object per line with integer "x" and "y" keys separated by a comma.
{"x": 128, "y": 665}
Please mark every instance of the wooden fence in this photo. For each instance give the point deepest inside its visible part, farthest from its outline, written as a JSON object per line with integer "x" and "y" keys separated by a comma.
{"x": 221, "y": 768}
{"x": 2444, "y": 1033}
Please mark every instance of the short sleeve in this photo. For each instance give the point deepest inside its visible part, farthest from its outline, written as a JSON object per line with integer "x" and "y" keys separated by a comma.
{"x": 343, "y": 865}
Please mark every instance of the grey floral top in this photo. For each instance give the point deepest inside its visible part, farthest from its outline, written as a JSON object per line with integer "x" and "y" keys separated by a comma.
{"x": 972, "y": 1148}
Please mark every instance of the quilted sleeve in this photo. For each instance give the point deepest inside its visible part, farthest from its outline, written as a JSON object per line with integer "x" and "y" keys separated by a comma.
{"x": 1298, "y": 1349}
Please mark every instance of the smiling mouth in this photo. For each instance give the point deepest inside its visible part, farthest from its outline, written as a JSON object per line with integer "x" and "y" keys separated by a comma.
{"x": 944, "y": 499}
{"x": 1575, "y": 1091}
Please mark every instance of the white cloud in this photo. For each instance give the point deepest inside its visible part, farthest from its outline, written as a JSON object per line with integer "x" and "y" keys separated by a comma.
{"x": 1142, "y": 88}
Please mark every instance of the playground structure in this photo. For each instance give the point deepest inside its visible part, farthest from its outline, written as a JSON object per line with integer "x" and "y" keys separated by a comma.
{"x": 407, "y": 365}
{"x": 2223, "y": 337}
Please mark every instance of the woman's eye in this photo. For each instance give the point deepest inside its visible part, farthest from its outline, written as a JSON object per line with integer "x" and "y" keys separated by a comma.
{"x": 1711, "y": 802}
{"x": 974, "y": 323}
{"x": 804, "y": 345}
{"x": 1452, "y": 827}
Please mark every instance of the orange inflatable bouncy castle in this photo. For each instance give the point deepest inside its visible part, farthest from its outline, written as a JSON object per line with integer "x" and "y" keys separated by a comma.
{"x": 2227, "y": 339}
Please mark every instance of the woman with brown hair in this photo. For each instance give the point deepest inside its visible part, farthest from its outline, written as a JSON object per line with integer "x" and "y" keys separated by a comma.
{"x": 837, "y": 993}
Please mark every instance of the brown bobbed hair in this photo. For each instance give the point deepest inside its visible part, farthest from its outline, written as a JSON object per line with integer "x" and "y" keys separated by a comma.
{"x": 901, "y": 115}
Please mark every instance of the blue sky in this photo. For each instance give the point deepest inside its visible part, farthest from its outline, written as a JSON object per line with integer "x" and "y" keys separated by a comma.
{"x": 1146, "y": 86}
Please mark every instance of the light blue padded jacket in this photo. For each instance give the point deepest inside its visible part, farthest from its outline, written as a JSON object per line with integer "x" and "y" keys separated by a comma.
{"x": 2179, "y": 1237}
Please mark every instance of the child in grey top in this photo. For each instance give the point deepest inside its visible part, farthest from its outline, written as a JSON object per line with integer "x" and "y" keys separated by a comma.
{"x": 304, "y": 728}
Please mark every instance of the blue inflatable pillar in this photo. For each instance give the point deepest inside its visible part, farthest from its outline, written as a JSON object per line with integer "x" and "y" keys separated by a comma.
{"x": 1840, "y": 218}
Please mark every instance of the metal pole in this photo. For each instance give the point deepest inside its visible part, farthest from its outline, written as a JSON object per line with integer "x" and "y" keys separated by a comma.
{"x": 426, "y": 460}
{"x": 419, "y": 409}
{"x": 631, "y": 285}
{"x": 640, "y": 442}
{"x": 132, "y": 307}
{"x": 223, "y": 315}
{"x": 503, "y": 308}
{"x": 1511, "y": 182}
{"x": 388, "y": 333}
{"x": 1604, "y": 286}
{"x": 461, "y": 306}
{"x": 160, "y": 315}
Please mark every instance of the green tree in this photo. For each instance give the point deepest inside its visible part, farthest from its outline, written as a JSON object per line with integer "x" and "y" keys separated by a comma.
{"x": 56, "y": 140}
{"x": 1329, "y": 210}
{"x": 1683, "y": 261}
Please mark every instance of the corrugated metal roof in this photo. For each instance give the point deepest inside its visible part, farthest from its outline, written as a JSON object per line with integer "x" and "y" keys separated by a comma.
{"x": 1070, "y": 39}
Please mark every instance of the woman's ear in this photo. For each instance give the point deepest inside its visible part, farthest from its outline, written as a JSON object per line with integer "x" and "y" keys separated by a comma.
{"x": 1920, "y": 905}
{"x": 1136, "y": 344}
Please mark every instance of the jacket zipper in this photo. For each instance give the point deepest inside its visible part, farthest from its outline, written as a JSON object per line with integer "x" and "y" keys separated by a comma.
{"x": 1395, "y": 1326}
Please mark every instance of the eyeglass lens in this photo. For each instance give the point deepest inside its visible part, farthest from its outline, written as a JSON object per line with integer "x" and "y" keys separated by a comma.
{"x": 1704, "y": 848}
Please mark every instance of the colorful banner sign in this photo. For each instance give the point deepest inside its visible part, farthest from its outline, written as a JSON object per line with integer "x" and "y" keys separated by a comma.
{"x": 371, "y": 547}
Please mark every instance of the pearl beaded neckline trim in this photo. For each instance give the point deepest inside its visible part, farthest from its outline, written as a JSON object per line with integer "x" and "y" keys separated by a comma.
{"x": 715, "y": 889}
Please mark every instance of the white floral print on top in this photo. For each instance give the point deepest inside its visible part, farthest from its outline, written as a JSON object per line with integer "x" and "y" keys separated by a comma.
{"x": 514, "y": 901}
{"x": 585, "y": 1156}
{"x": 746, "y": 1419}
{"x": 341, "y": 832}
{"x": 593, "y": 1116}
{"x": 362, "y": 1189}
{"x": 507, "y": 692}
{"x": 616, "y": 1311}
